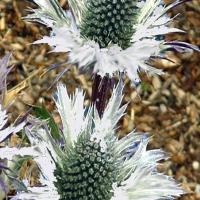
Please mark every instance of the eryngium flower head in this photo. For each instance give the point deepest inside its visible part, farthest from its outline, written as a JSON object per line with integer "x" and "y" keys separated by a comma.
{"x": 108, "y": 36}
{"x": 108, "y": 22}
{"x": 88, "y": 161}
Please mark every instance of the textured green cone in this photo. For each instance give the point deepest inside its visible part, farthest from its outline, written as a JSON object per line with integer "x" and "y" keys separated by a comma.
{"x": 87, "y": 174}
{"x": 110, "y": 21}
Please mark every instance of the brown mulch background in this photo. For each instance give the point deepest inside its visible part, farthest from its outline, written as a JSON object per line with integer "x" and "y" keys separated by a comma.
{"x": 167, "y": 107}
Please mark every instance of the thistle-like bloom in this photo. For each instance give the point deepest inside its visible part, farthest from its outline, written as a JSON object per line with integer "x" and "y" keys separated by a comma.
{"x": 108, "y": 36}
{"x": 88, "y": 161}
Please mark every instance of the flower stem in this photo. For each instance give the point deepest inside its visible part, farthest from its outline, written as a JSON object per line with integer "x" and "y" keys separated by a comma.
{"x": 100, "y": 91}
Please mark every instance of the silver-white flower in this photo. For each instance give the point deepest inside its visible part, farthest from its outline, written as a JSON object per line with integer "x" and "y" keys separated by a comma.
{"x": 90, "y": 33}
{"x": 125, "y": 166}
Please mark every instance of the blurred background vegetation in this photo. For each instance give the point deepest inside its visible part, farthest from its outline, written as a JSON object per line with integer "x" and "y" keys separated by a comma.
{"x": 167, "y": 107}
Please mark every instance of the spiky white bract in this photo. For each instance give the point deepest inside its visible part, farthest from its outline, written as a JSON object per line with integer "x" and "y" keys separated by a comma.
{"x": 50, "y": 14}
{"x": 151, "y": 21}
{"x": 133, "y": 175}
{"x": 144, "y": 184}
{"x": 73, "y": 110}
{"x": 78, "y": 8}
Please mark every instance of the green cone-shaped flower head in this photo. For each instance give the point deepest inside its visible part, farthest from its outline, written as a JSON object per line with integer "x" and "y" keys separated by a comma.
{"x": 110, "y": 22}
{"x": 87, "y": 174}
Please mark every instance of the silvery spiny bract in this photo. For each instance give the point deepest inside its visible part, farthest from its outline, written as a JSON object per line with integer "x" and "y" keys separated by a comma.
{"x": 88, "y": 161}
{"x": 108, "y": 36}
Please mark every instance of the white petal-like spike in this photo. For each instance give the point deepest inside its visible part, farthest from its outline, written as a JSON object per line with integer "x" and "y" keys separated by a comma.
{"x": 153, "y": 21}
{"x": 78, "y": 8}
{"x": 148, "y": 10}
{"x": 126, "y": 142}
{"x": 50, "y": 13}
{"x": 48, "y": 151}
{"x": 140, "y": 157}
{"x": 60, "y": 43}
{"x": 105, "y": 127}
{"x": 72, "y": 112}
{"x": 145, "y": 184}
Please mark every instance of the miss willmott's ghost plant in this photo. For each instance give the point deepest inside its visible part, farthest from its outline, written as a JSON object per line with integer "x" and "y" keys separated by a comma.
{"x": 88, "y": 162}
{"x": 108, "y": 36}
